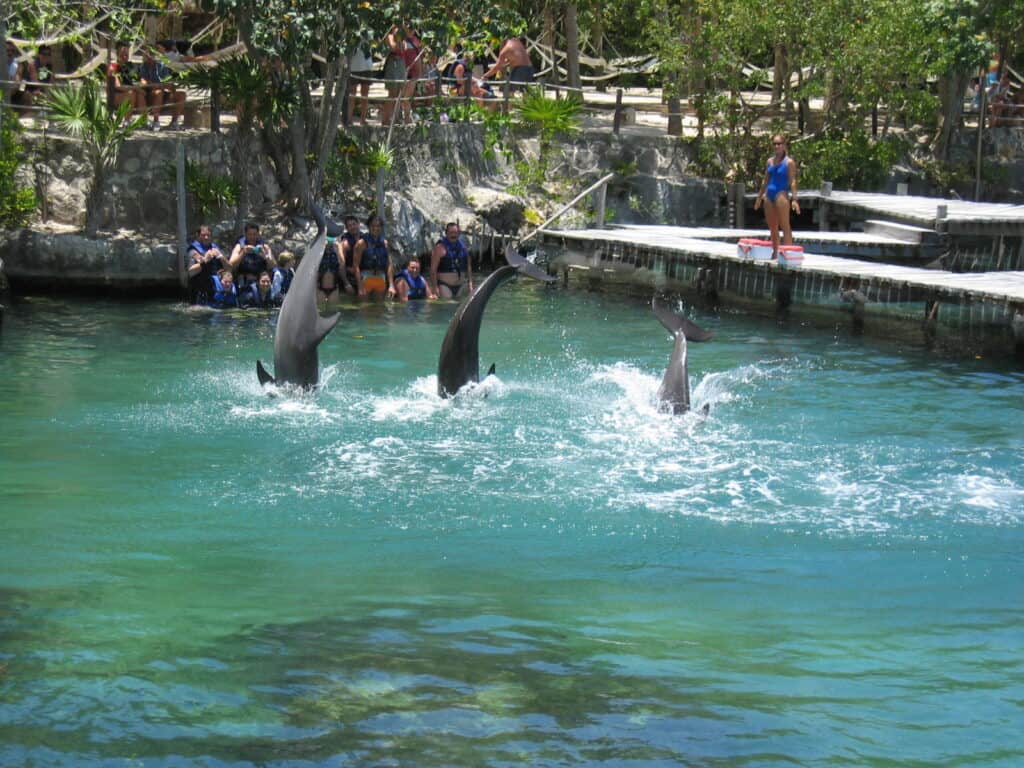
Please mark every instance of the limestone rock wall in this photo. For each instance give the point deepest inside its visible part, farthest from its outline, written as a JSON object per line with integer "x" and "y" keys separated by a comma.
{"x": 441, "y": 173}
{"x": 141, "y": 189}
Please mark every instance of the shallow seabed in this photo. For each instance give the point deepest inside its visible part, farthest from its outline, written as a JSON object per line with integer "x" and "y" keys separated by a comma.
{"x": 825, "y": 571}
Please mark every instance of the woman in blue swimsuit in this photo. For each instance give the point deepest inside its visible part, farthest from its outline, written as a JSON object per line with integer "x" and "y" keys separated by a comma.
{"x": 778, "y": 194}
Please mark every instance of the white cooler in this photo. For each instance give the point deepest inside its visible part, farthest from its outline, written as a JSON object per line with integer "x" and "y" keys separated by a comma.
{"x": 759, "y": 250}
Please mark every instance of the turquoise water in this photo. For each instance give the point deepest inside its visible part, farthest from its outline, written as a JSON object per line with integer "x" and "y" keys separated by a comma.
{"x": 826, "y": 571}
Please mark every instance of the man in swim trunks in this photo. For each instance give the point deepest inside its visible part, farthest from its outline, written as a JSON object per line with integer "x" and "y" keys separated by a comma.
{"x": 514, "y": 59}
{"x": 450, "y": 267}
{"x": 778, "y": 194}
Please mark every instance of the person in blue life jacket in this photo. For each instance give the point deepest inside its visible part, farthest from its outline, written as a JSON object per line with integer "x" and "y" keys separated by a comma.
{"x": 410, "y": 284}
{"x": 374, "y": 272}
{"x": 205, "y": 259}
{"x": 348, "y": 240}
{"x": 778, "y": 194}
{"x": 450, "y": 267}
{"x": 251, "y": 256}
{"x": 225, "y": 295}
{"x": 260, "y": 295}
{"x": 331, "y": 272}
{"x": 284, "y": 274}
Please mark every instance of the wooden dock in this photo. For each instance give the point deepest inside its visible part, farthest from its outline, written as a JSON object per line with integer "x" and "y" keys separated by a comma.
{"x": 672, "y": 258}
{"x": 956, "y": 217}
{"x": 884, "y": 242}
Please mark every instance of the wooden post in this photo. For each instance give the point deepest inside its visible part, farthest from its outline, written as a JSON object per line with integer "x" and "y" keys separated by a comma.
{"x": 941, "y": 214}
{"x": 179, "y": 167}
{"x": 109, "y": 80}
{"x": 506, "y": 94}
{"x": 380, "y": 193}
{"x": 215, "y": 107}
{"x": 617, "y": 119}
{"x": 600, "y": 198}
{"x": 739, "y": 195}
{"x": 675, "y": 116}
{"x": 874, "y": 121}
{"x": 981, "y": 131}
{"x": 826, "y": 192}
{"x": 902, "y": 188}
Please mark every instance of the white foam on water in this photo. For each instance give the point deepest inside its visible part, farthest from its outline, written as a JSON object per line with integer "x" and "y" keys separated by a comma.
{"x": 1002, "y": 499}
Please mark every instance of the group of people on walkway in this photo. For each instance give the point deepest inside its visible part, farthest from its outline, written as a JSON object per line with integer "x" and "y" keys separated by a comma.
{"x": 356, "y": 262}
{"x": 410, "y": 73}
{"x": 29, "y": 74}
{"x": 149, "y": 87}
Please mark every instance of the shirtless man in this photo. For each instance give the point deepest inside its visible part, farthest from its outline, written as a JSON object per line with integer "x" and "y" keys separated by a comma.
{"x": 515, "y": 60}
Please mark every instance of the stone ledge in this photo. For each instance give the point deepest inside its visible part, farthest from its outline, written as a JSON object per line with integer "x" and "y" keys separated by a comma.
{"x": 69, "y": 260}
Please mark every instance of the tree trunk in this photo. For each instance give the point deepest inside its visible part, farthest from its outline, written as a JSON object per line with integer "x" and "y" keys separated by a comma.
{"x": 951, "y": 89}
{"x": 572, "y": 46}
{"x": 241, "y": 156}
{"x": 548, "y": 37}
{"x": 94, "y": 200}
{"x": 781, "y": 73}
{"x": 299, "y": 191}
{"x": 597, "y": 35}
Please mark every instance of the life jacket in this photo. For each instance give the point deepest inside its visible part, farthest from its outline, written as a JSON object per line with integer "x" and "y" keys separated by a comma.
{"x": 201, "y": 284}
{"x": 417, "y": 285}
{"x": 283, "y": 280}
{"x": 221, "y": 298}
{"x": 251, "y": 297}
{"x": 351, "y": 239}
{"x": 329, "y": 261}
{"x": 375, "y": 257}
{"x": 456, "y": 257}
{"x": 253, "y": 262}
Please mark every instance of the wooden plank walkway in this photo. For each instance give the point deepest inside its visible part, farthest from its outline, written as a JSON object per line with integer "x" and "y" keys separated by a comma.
{"x": 963, "y": 217}
{"x": 608, "y": 247}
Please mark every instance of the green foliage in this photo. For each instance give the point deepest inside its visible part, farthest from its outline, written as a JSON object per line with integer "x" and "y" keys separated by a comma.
{"x": 352, "y": 170}
{"x": 850, "y": 161}
{"x": 80, "y": 111}
{"x": 552, "y": 117}
{"x": 210, "y": 193}
{"x": 496, "y": 125}
{"x": 17, "y": 203}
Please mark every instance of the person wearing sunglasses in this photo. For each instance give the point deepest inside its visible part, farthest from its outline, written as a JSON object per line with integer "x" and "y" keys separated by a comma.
{"x": 778, "y": 194}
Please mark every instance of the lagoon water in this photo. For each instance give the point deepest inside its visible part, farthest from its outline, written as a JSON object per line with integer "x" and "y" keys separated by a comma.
{"x": 827, "y": 570}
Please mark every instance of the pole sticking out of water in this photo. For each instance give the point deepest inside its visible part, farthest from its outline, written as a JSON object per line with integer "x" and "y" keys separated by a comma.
{"x": 179, "y": 167}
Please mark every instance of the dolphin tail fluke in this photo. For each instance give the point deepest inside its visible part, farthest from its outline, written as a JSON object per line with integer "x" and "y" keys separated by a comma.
{"x": 261, "y": 374}
{"x": 525, "y": 267}
{"x": 675, "y": 323}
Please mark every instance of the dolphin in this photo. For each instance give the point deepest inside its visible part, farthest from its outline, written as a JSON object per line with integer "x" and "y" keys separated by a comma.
{"x": 300, "y": 326}
{"x": 459, "y": 362}
{"x": 675, "y": 386}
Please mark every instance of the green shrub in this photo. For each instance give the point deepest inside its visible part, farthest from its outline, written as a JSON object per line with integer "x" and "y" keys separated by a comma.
{"x": 209, "y": 192}
{"x": 850, "y": 161}
{"x": 17, "y": 204}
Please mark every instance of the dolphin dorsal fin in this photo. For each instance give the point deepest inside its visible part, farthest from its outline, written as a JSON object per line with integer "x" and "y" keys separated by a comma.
{"x": 490, "y": 371}
{"x": 325, "y": 324}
